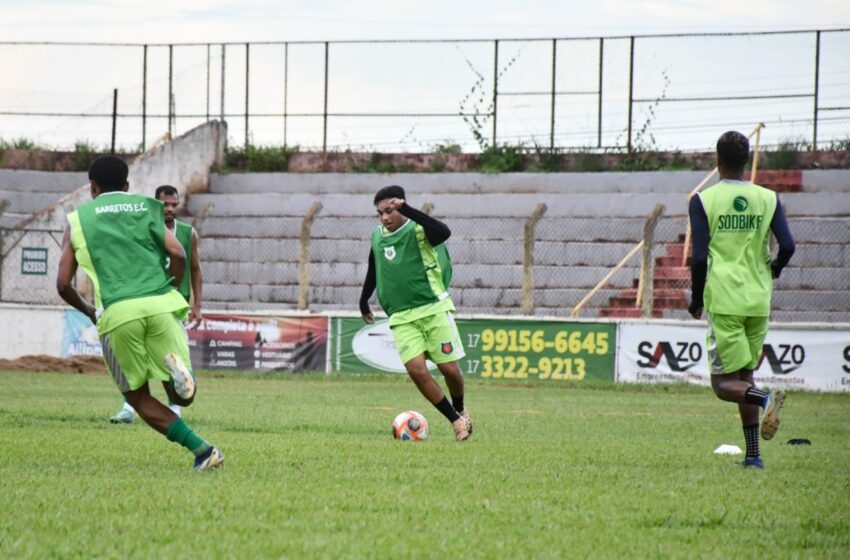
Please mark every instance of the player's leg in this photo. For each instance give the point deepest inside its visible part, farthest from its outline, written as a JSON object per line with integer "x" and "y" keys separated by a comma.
{"x": 168, "y": 348}
{"x": 163, "y": 420}
{"x": 127, "y": 359}
{"x": 729, "y": 353}
{"x": 731, "y": 363}
{"x": 410, "y": 341}
{"x": 168, "y": 351}
{"x": 445, "y": 349}
{"x": 756, "y": 328}
{"x": 154, "y": 413}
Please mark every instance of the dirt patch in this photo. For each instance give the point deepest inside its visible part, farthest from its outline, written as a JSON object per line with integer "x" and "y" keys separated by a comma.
{"x": 49, "y": 364}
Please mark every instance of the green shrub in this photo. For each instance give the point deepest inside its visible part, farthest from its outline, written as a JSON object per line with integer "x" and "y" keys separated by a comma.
{"x": 501, "y": 159}
{"x": 260, "y": 158}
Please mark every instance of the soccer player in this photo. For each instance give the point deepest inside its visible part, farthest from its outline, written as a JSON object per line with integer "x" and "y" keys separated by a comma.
{"x": 410, "y": 267}
{"x": 190, "y": 286}
{"x": 121, "y": 242}
{"x": 731, "y": 222}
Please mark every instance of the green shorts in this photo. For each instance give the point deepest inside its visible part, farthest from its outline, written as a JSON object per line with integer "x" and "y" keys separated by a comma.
{"x": 734, "y": 342}
{"x": 135, "y": 351}
{"x": 436, "y": 336}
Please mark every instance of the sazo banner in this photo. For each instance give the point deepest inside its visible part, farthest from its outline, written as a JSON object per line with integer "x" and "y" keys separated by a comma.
{"x": 799, "y": 359}
{"x": 260, "y": 343}
{"x": 508, "y": 349}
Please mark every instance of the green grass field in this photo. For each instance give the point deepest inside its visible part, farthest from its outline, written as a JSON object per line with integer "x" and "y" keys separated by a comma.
{"x": 311, "y": 471}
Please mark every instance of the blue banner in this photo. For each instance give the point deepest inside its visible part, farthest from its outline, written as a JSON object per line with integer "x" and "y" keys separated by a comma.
{"x": 79, "y": 337}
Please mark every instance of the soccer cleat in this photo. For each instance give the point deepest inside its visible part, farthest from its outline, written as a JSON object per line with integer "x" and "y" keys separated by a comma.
{"x": 770, "y": 418}
{"x": 209, "y": 459}
{"x": 752, "y": 463}
{"x": 465, "y": 414}
{"x": 124, "y": 416}
{"x": 184, "y": 383}
{"x": 461, "y": 426}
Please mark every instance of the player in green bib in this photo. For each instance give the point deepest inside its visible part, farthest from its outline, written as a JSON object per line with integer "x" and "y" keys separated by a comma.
{"x": 411, "y": 269}
{"x": 191, "y": 285}
{"x": 121, "y": 242}
{"x": 732, "y": 274}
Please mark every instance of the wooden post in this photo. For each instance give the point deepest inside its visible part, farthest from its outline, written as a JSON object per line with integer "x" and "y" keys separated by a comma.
{"x": 200, "y": 216}
{"x": 304, "y": 261}
{"x": 577, "y": 309}
{"x": 756, "y": 151}
{"x": 645, "y": 298}
{"x": 3, "y": 205}
{"x": 528, "y": 259}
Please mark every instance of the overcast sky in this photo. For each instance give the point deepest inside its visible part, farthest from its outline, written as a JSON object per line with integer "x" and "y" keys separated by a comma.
{"x": 417, "y": 78}
{"x": 255, "y": 20}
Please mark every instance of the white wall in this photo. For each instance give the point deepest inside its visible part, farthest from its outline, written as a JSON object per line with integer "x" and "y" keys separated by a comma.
{"x": 30, "y": 330}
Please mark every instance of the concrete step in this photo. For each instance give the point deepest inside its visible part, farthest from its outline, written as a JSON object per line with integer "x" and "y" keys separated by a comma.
{"x": 680, "y": 182}
{"x": 813, "y": 278}
{"x": 670, "y": 262}
{"x": 625, "y": 312}
{"x": 500, "y": 205}
{"x": 664, "y": 293}
{"x": 10, "y": 219}
{"x": 28, "y": 202}
{"x": 462, "y": 251}
{"x": 56, "y": 182}
{"x": 569, "y": 183}
{"x": 659, "y": 302}
{"x": 626, "y": 230}
{"x": 779, "y": 180}
{"x": 672, "y": 273}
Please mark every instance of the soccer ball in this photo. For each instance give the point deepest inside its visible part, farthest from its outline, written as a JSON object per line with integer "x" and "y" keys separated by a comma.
{"x": 410, "y": 426}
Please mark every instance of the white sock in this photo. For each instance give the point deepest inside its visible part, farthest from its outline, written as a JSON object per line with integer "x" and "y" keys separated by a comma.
{"x": 175, "y": 408}
{"x": 129, "y": 408}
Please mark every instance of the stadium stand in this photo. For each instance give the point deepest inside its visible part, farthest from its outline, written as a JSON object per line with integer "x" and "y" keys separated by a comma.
{"x": 251, "y": 244}
{"x": 28, "y": 192}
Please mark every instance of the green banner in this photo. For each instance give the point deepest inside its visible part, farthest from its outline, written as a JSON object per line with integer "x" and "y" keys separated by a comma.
{"x": 503, "y": 348}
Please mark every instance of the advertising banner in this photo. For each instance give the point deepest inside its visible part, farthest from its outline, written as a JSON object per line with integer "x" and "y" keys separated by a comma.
{"x": 793, "y": 358}
{"x": 495, "y": 348}
{"x": 79, "y": 336}
{"x": 237, "y": 342}
{"x": 260, "y": 343}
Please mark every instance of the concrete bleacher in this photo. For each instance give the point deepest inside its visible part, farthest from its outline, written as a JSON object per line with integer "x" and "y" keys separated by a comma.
{"x": 27, "y": 192}
{"x": 251, "y": 246}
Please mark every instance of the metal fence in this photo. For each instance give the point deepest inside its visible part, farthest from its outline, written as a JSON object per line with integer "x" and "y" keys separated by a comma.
{"x": 29, "y": 260}
{"x": 604, "y": 93}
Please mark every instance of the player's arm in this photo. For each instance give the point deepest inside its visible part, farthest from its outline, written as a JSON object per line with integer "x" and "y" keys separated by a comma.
{"x": 436, "y": 232}
{"x": 780, "y": 229}
{"x": 699, "y": 255}
{"x": 177, "y": 256}
{"x": 65, "y": 276}
{"x": 369, "y": 285}
{"x": 195, "y": 315}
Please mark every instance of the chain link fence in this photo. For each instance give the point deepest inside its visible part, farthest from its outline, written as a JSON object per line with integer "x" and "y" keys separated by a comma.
{"x": 502, "y": 266}
{"x": 510, "y": 266}
{"x": 29, "y": 261}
